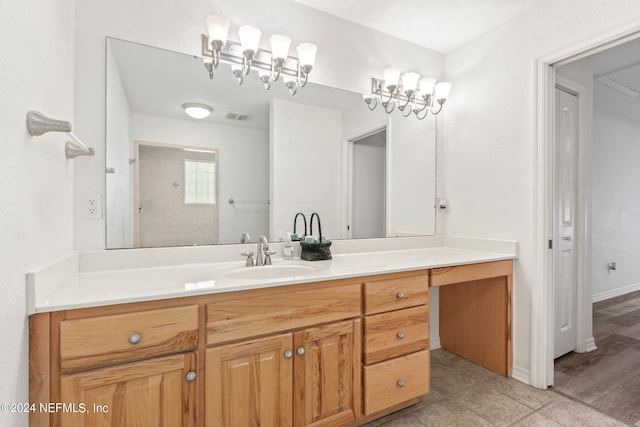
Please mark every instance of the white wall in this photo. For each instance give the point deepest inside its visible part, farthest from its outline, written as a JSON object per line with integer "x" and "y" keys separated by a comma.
{"x": 36, "y": 181}
{"x": 489, "y": 129}
{"x": 412, "y": 184}
{"x": 177, "y": 26}
{"x": 119, "y": 190}
{"x": 616, "y": 194}
{"x": 241, "y": 151}
{"x": 411, "y": 163}
{"x": 305, "y": 157}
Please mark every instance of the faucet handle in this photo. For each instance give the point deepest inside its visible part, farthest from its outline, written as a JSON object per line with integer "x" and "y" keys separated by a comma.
{"x": 249, "y": 256}
{"x": 267, "y": 257}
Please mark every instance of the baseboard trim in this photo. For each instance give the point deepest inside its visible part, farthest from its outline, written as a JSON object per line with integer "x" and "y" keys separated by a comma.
{"x": 521, "y": 374}
{"x": 435, "y": 343}
{"x": 590, "y": 345}
{"x": 601, "y": 296}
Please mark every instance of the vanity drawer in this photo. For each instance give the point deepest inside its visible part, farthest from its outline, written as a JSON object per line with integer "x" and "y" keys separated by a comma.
{"x": 396, "y": 293}
{"x": 249, "y": 316}
{"x": 395, "y": 333}
{"x": 395, "y": 381}
{"x": 108, "y": 340}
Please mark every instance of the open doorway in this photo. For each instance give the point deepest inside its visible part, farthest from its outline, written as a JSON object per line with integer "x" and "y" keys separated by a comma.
{"x": 599, "y": 366}
{"x": 175, "y": 195}
{"x": 366, "y": 196}
{"x": 542, "y": 367}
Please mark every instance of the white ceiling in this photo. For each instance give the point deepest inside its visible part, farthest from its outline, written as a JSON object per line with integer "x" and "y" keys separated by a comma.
{"x": 158, "y": 82}
{"x": 440, "y": 25}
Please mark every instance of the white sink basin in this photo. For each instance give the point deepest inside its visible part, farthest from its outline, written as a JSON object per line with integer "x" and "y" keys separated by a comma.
{"x": 275, "y": 271}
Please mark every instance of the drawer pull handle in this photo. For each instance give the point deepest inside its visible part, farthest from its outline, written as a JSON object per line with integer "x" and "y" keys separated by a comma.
{"x": 191, "y": 376}
{"x": 300, "y": 351}
{"x": 400, "y": 335}
{"x": 400, "y": 383}
{"x": 288, "y": 354}
{"x": 134, "y": 339}
{"x": 400, "y": 295}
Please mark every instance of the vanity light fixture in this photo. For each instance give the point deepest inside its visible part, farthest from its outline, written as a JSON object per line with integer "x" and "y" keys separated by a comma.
{"x": 196, "y": 110}
{"x": 408, "y": 92}
{"x": 246, "y": 55}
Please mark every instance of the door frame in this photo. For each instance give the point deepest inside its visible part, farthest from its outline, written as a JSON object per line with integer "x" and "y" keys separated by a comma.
{"x": 347, "y": 172}
{"x": 541, "y": 355}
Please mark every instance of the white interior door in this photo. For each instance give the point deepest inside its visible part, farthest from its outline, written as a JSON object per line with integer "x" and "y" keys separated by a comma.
{"x": 566, "y": 169}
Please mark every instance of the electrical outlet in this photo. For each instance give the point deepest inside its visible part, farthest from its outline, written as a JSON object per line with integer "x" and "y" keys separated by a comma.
{"x": 92, "y": 206}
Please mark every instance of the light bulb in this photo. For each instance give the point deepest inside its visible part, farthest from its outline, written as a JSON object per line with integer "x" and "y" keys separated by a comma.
{"x": 307, "y": 55}
{"x": 410, "y": 82}
{"x": 249, "y": 39}
{"x": 218, "y": 28}
{"x": 280, "y": 47}
{"x": 442, "y": 91}
{"x": 391, "y": 76}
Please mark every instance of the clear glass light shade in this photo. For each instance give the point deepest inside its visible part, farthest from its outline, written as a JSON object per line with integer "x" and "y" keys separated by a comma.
{"x": 410, "y": 81}
{"x": 307, "y": 53}
{"x": 391, "y": 76}
{"x": 426, "y": 85}
{"x": 442, "y": 90}
{"x": 280, "y": 46}
{"x": 197, "y": 111}
{"x": 249, "y": 38}
{"x": 218, "y": 28}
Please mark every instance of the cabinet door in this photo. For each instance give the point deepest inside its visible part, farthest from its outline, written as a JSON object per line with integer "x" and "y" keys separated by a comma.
{"x": 250, "y": 383}
{"x": 327, "y": 374}
{"x": 154, "y": 392}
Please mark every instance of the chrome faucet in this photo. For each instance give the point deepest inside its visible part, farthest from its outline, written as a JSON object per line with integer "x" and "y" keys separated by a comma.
{"x": 263, "y": 246}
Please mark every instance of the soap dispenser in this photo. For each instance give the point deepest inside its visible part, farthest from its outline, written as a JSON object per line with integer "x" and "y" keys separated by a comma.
{"x": 287, "y": 248}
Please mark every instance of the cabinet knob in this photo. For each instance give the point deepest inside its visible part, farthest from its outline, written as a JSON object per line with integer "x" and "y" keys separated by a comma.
{"x": 400, "y": 383}
{"x": 400, "y": 335}
{"x": 191, "y": 376}
{"x": 135, "y": 339}
{"x": 288, "y": 354}
{"x": 300, "y": 351}
{"x": 400, "y": 295}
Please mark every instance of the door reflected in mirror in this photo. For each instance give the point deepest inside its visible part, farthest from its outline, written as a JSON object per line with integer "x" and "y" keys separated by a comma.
{"x": 258, "y": 158}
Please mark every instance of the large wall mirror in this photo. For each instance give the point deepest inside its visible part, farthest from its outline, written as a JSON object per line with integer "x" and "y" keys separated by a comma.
{"x": 260, "y": 157}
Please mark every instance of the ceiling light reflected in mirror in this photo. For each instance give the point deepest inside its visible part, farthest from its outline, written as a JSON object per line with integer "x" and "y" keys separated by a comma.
{"x": 197, "y": 111}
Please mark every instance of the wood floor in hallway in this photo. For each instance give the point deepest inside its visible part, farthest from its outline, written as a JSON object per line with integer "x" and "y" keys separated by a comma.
{"x": 607, "y": 379}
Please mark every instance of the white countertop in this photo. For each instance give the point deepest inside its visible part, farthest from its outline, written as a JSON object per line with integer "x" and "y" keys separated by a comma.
{"x": 66, "y": 287}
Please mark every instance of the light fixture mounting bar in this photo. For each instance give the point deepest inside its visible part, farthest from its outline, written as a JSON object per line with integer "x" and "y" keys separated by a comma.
{"x": 232, "y": 54}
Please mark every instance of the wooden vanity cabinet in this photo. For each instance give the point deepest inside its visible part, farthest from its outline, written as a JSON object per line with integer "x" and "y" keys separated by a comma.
{"x": 304, "y": 372}
{"x": 334, "y": 353}
{"x": 396, "y": 340}
{"x": 153, "y": 392}
{"x": 250, "y": 382}
{"x": 111, "y": 367}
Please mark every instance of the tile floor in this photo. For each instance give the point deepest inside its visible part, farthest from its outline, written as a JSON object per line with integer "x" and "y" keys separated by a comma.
{"x": 465, "y": 394}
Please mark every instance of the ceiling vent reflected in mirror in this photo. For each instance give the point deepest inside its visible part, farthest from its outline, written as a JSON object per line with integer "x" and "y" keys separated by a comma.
{"x": 246, "y": 54}
{"x": 238, "y": 117}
